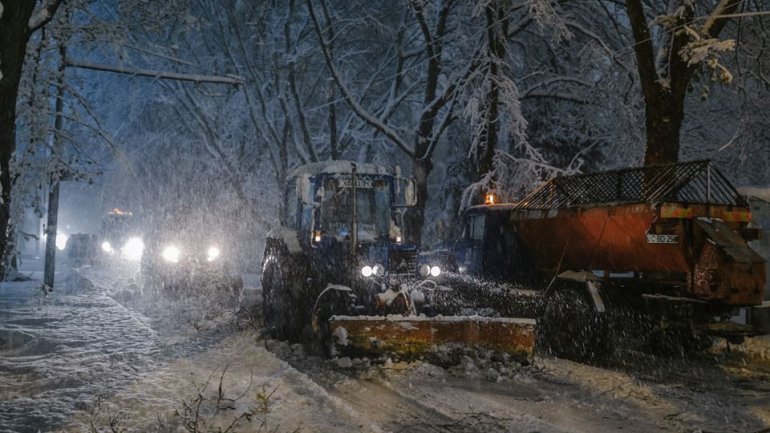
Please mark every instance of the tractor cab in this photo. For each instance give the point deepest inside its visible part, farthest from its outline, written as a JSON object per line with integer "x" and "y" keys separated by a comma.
{"x": 347, "y": 218}
{"x": 489, "y": 247}
{"x": 340, "y": 229}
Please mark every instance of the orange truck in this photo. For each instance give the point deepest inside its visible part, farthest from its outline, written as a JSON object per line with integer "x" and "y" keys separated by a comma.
{"x": 666, "y": 243}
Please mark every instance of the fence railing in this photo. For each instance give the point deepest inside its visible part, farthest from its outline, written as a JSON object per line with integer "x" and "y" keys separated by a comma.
{"x": 687, "y": 182}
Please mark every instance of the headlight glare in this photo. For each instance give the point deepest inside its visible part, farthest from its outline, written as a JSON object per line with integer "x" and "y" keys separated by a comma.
{"x": 435, "y": 271}
{"x": 424, "y": 270}
{"x": 132, "y": 249}
{"x": 367, "y": 271}
{"x": 378, "y": 270}
{"x": 212, "y": 254}
{"x": 107, "y": 248}
{"x": 61, "y": 240}
{"x": 171, "y": 254}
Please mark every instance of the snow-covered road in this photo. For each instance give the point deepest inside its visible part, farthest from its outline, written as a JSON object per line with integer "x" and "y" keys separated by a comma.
{"x": 150, "y": 359}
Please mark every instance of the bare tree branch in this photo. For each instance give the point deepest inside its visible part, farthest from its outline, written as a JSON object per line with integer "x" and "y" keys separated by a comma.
{"x": 197, "y": 78}
{"x": 362, "y": 113}
{"x": 43, "y": 16}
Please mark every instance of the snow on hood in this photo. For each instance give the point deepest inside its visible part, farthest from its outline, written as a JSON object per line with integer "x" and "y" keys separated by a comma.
{"x": 338, "y": 167}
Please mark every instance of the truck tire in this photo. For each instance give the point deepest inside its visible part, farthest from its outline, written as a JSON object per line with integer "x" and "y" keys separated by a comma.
{"x": 677, "y": 340}
{"x": 282, "y": 317}
{"x": 572, "y": 329}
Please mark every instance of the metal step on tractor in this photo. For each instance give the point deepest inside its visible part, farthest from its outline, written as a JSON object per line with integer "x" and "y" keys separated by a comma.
{"x": 339, "y": 273}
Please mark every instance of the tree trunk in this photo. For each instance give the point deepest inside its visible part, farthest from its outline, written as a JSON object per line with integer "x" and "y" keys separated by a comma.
{"x": 415, "y": 217}
{"x": 497, "y": 27}
{"x": 663, "y": 120}
{"x": 664, "y": 105}
{"x": 14, "y": 34}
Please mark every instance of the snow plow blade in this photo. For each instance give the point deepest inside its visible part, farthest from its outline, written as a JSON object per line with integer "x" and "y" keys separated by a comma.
{"x": 414, "y": 336}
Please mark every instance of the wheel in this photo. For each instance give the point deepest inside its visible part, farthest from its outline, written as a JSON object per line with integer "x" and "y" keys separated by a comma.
{"x": 676, "y": 339}
{"x": 572, "y": 329}
{"x": 330, "y": 302}
{"x": 283, "y": 317}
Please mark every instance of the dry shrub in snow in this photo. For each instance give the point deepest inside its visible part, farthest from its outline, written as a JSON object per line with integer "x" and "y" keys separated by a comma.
{"x": 216, "y": 411}
{"x": 214, "y": 406}
{"x": 101, "y": 418}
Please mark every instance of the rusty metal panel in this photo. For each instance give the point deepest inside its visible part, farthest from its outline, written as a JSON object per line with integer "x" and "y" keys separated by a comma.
{"x": 676, "y": 210}
{"x": 419, "y": 335}
{"x": 610, "y": 238}
{"x": 728, "y": 270}
{"x": 694, "y": 210}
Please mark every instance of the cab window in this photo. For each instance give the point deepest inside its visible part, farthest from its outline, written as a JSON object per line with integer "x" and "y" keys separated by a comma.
{"x": 290, "y": 207}
{"x": 476, "y": 226}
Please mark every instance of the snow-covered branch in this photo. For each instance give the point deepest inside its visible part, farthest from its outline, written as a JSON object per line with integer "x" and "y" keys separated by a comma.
{"x": 361, "y": 111}
{"x": 196, "y": 78}
{"x": 43, "y": 15}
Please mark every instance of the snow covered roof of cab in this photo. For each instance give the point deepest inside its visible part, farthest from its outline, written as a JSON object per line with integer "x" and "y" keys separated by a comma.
{"x": 504, "y": 207}
{"x": 337, "y": 167}
{"x": 761, "y": 192}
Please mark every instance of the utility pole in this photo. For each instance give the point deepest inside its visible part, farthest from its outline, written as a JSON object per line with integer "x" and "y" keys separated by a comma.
{"x": 53, "y": 194}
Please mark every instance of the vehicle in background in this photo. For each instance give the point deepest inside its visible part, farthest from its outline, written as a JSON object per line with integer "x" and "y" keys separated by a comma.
{"x": 79, "y": 247}
{"x": 188, "y": 255}
{"x": 120, "y": 236}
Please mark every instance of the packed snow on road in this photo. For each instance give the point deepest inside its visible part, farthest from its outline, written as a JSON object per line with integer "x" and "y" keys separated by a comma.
{"x": 98, "y": 354}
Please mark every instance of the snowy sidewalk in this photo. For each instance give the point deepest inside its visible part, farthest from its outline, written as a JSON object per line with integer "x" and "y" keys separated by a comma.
{"x": 57, "y": 351}
{"x": 61, "y": 351}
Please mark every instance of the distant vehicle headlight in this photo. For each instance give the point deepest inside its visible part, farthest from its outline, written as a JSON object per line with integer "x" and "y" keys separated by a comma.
{"x": 107, "y": 248}
{"x": 171, "y": 254}
{"x": 424, "y": 270}
{"x": 212, "y": 254}
{"x": 367, "y": 271}
{"x": 378, "y": 270}
{"x": 435, "y": 271}
{"x": 61, "y": 240}
{"x": 132, "y": 249}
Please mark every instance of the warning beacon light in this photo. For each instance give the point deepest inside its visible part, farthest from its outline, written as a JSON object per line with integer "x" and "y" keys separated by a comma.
{"x": 490, "y": 198}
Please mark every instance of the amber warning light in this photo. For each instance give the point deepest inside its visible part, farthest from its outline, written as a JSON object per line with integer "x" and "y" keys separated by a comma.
{"x": 490, "y": 198}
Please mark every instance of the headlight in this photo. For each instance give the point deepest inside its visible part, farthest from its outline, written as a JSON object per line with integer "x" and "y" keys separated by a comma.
{"x": 106, "y": 247}
{"x": 378, "y": 270}
{"x": 61, "y": 240}
{"x": 171, "y": 254}
{"x": 429, "y": 271}
{"x": 132, "y": 249}
{"x": 212, "y": 254}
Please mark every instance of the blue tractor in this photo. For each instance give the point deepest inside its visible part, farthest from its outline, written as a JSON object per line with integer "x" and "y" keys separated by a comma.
{"x": 339, "y": 271}
{"x": 340, "y": 248}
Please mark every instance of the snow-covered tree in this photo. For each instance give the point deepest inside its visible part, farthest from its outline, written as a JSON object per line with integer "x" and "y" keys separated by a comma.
{"x": 18, "y": 20}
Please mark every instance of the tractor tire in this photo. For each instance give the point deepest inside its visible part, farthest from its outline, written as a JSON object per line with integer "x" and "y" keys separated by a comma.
{"x": 282, "y": 316}
{"x": 329, "y": 303}
{"x": 572, "y": 329}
